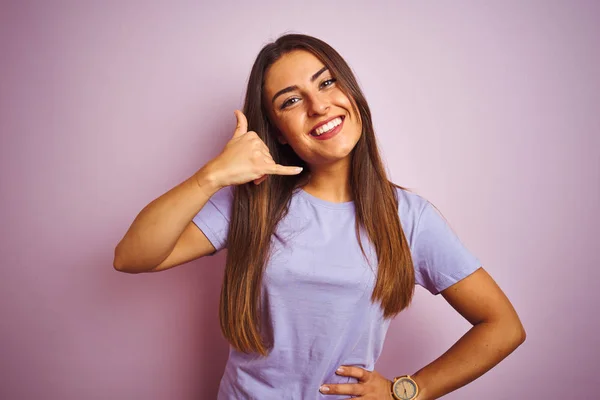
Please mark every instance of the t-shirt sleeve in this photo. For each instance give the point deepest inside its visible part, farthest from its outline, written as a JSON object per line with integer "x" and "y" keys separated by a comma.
{"x": 440, "y": 258}
{"x": 213, "y": 218}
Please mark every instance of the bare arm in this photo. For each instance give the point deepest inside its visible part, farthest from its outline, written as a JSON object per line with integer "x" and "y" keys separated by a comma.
{"x": 163, "y": 234}
{"x": 497, "y": 331}
{"x": 155, "y": 232}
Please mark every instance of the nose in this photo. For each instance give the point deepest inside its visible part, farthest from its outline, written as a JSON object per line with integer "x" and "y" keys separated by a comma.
{"x": 318, "y": 104}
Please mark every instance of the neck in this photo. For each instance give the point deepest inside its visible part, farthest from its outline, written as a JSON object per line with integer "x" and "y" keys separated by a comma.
{"x": 330, "y": 182}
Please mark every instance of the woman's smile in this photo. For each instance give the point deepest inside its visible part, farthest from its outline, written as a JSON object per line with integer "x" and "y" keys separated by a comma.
{"x": 329, "y": 129}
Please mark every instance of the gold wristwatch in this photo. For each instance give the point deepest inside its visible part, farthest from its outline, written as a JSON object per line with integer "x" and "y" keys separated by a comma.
{"x": 404, "y": 388}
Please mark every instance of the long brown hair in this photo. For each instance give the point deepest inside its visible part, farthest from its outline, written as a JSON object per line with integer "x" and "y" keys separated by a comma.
{"x": 257, "y": 209}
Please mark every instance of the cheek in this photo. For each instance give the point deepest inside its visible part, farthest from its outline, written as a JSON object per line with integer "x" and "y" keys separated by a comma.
{"x": 356, "y": 117}
{"x": 344, "y": 101}
{"x": 292, "y": 127}
{"x": 340, "y": 97}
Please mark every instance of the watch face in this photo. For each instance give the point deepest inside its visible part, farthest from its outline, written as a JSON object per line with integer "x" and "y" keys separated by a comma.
{"x": 405, "y": 389}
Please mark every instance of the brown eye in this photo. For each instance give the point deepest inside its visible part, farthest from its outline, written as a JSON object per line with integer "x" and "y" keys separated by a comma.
{"x": 288, "y": 103}
{"x": 329, "y": 81}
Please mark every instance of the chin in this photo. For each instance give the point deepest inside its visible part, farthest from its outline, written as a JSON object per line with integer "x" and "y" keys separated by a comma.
{"x": 330, "y": 159}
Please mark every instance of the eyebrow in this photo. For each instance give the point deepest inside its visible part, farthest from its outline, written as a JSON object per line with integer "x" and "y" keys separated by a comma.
{"x": 295, "y": 87}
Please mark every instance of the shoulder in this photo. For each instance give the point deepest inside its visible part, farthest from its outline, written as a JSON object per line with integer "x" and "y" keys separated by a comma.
{"x": 410, "y": 209}
{"x": 409, "y": 201}
{"x": 439, "y": 256}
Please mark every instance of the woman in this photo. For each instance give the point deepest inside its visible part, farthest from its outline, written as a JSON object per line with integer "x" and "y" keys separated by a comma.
{"x": 323, "y": 250}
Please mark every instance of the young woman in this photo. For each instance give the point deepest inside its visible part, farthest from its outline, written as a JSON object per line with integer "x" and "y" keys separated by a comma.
{"x": 323, "y": 250}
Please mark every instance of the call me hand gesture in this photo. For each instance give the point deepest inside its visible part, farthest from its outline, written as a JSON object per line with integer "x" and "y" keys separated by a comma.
{"x": 246, "y": 158}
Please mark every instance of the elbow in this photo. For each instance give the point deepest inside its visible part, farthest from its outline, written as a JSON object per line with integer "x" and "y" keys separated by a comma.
{"x": 522, "y": 335}
{"x": 517, "y": 335}
{"x": 119, "y": 264}
{"x": 510, "y": 332}
{"x": 118, "y": 260}
{"x": 122, "y": 265}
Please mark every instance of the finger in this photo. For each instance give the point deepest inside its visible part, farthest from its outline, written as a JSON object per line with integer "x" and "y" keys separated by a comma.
{"x": 242, "y": 124}
{"x": 361, "y": 374}
{"x": 277, "y": 169}
{"x": 355, "y": 389}
{"x": 260, "y": 180}
{"x": 266, "y": 160}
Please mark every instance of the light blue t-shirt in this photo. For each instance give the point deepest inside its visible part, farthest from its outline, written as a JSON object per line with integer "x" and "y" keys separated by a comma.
{"x": 316, "y": 293}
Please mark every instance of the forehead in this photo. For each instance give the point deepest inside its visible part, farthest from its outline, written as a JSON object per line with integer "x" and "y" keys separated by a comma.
{"x": 293, "y": 68}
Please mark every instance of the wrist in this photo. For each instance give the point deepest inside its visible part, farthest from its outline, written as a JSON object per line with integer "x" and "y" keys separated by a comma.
{"x": 207, "y": 178}
{"x": 422, "y": 389}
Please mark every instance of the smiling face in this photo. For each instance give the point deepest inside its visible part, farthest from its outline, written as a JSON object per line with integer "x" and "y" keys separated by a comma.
{"x": 301, "y": 94}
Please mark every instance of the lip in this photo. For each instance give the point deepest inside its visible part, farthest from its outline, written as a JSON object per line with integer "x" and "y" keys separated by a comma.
{"x": 326, "y": 121}
{"x": 331, "y": 133}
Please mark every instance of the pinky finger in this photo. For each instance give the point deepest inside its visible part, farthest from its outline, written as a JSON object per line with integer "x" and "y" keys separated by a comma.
{"x": 260, "y": 180}
{"x": 278, "y": 169}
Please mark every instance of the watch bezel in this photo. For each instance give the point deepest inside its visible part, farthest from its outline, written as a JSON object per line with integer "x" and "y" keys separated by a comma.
{"x": 409, "y": 378}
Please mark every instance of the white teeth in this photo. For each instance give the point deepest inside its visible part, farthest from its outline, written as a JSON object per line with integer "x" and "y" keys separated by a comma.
{"x": 328, "y": 126}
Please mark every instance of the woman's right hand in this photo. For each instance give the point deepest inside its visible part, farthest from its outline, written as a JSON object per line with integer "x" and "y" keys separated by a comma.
{"x": 246, "y": 158}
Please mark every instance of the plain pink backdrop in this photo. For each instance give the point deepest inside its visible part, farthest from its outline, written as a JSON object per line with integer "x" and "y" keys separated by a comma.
{"x": 489, "y": 111}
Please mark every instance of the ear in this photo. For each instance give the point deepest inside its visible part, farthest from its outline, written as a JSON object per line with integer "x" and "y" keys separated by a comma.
{"x": 279, "y": 136}
{"x": 281, "y": 139}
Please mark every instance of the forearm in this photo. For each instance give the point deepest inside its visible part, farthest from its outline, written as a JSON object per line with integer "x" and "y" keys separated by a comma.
{"x": 481, "y": 348}
{"x": 154, "y": 232}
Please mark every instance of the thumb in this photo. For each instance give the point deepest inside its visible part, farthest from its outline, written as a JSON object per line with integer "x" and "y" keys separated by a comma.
{"x": 242, "y": 124}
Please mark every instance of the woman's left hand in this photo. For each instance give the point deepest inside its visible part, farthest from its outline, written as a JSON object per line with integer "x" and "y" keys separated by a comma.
{"x": 371, "y": 385}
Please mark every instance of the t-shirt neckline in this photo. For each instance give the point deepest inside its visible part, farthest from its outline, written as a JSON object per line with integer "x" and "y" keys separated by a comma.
{"x": 324, "y": 203}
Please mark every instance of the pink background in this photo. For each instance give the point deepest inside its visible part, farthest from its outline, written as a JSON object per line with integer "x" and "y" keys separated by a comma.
{"x": 490, "y": 111}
